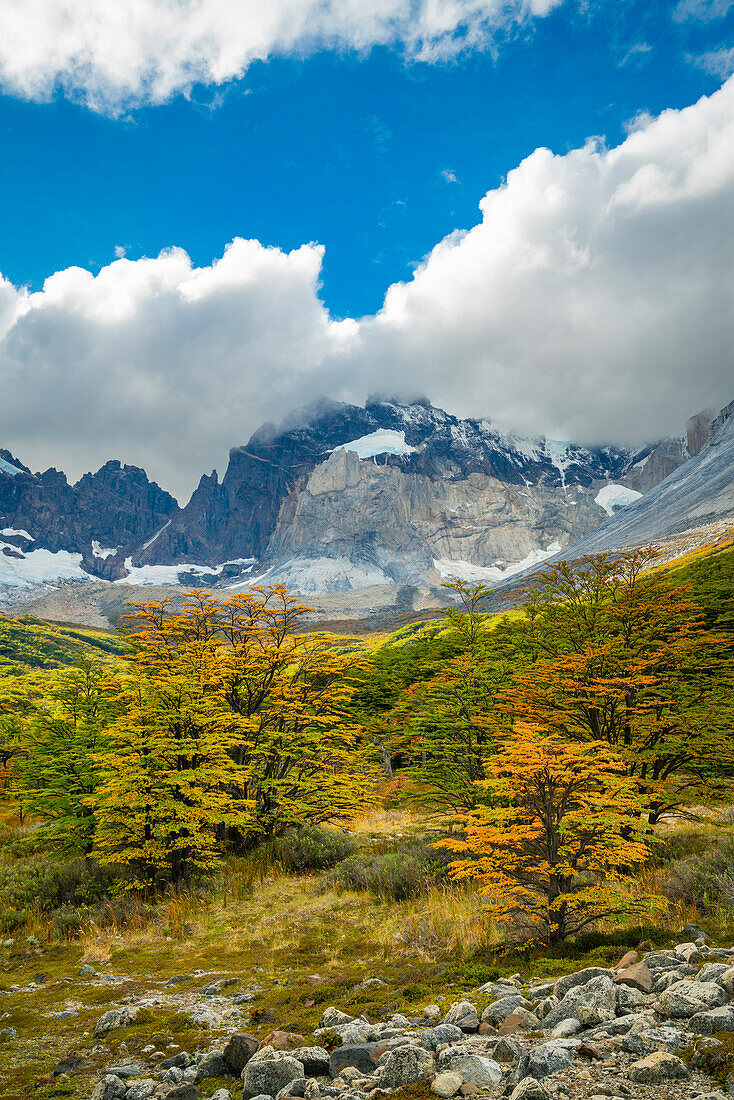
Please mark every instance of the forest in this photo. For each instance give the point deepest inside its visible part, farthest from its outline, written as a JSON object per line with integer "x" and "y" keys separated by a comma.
{"x": 540, "y": 756}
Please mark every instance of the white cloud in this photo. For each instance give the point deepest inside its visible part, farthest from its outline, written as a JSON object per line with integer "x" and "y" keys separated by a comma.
{"x": 706, "y": 11}
{"x": 114, "y": 55}
{"x": 449, "y": 176}
{"x": 594, "y": 301}
{"x": 717, "y": 62}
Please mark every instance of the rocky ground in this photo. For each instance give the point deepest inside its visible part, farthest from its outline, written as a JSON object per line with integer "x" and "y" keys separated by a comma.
{"x": 657, "y": 1026}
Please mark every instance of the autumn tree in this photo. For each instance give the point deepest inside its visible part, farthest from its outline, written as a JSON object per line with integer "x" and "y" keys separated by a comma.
{"x": 235, "y": 728}
{"x": 548, "y": 847}
{"x": 165, "y": 774}
{"x": 621, "y": 655}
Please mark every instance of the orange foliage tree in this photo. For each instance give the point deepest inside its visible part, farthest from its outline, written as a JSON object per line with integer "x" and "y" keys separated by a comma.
{"x": 621, "y": 655}
{"x": 549, "y": 847}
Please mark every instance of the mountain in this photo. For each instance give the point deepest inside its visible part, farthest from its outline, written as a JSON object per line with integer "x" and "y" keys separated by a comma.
{"x": 696, "y": 497}
{"x": 393, "y": 496}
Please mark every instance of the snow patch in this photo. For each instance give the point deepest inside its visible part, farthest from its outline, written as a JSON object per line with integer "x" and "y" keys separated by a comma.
{"x": 383, "y": 441}
{"x": 39, "y": 567}
{"x": 171, "y": 574}
{"x": 8, "y": 468}
{"x": 611, "y": 497}
{"x": 492, "y": 574}
{"x": 9, "y": 531}
{"x": 102, "y": 552}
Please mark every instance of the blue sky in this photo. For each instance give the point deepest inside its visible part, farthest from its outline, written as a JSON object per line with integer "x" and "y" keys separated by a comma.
{"x": 373, "y": 156}
{"x": 213, "y": 212}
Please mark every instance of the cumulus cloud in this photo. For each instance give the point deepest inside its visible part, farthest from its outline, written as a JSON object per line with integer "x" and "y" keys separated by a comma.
{"x": 112, "y": 56}
{"x": 594, "y": 301}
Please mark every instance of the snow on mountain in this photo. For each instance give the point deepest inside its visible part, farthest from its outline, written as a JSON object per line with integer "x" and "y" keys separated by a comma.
{"x": 492, "y": 574}
{"x": 611, "y": 497}
{"x": 24, "y": 570}
{"x": 383, "y": 441}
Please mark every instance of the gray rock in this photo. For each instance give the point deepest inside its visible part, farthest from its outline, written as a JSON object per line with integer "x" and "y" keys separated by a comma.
{"x": 176, "y": 1060}
{"x": 432, "y": 1037}
{"x": 463, "y": 1014}
{"x": 184, "y": 1092}
{"x": 87, "y": 971}
{"x": 109, "y": 1088}
{"x": 726, "y": 980}
{"x": 446, "y": 1084}
{"x": 530, "y": 1090}
{"x": 334, "y": 1017}
{"x": 128, "y": 1069}
{"x": 268, "y": 1071}
{"x": 710, "y": 972}
{"x": 581, "y": 977}
{"x": 685, "y": 998}
{"x": 315, "y": 1060}
{"x": 566, "y": 1029}
{"x": 549, "y": 1058}
{"x": 220, "y": 1094}
{"x": 540, "y": 991}
{"x": 713, "y": 1020}
{"x": 432, "y": 1012}
{"x": 297, "y": 1087}
{"x": 8, "y": 1033}
{"x": 506, "y": 1049}
{"x": 660, "y": 1066}
{"x": 406, "y": 1066}
{"x": 141, "y": 1090}
{"x": 629, "y": 1000}
{"x": 650, "y": 1039}
{"x": 546, "y": 1005}
{"x": 354, "y": 1054}
{"x": 504, "y": 1007}
{"x": 474, "y": 1068}
{"x": 115, "y": 1017}
{"x": 590, "y": 1004}
{"x": 213, "y": 1064}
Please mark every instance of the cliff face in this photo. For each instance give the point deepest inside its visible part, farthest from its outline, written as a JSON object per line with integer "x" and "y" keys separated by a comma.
{"x": 259, "y": 491}
{"x": 113, "y": 509}
{"x": 337, "y": 497}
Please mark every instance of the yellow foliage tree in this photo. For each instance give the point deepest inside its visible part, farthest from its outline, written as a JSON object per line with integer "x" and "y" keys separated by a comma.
{"x": 235, "y": 728}
{"x": 549, "y": 848}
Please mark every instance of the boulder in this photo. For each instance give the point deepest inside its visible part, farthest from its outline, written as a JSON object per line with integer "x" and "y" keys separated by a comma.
{"x": 590, "y": 1004}
{"x": 239, "y": 1050}
{"x": 480, "y": 1071}
{"x": 565, "y": 1029}
{"x": 686, "y": 998}
{"x": 501, "y": 1009}
{"x": 432, "y": 1012}
{"x": 316, "y": 1061}
{"x": 581, "y": 977}
{"x": 220, "y": 1094}
{"x": 268, "y": 1071}
{"x": 446, "y": 1084}
{"x": 109, "y": 1088}
{"x": 463, "y": 1014}
{"x": 713, "y": 1020}
{"x": 549, "y": 1058}
{"x": 184, "y": 1092}
{"x": 353, "y": 1054}
{"x": 726, "y": 980}
{"x": 213, "y": 1064}
{"x": 646, "y": 1039}
{"x": 637, "y": 976}
{"x": 660, "y": 1066}
{"x": 628, "y": 959}
{"x": 115, "y": 1017}
{"x": 530, "y": 1089}
{"x": 333, "y": 1017}
{"x": 141, "y": 1090}
{"x": 283, "y": 1040}
{"x": 406, "y": 1066}
{"x": 629, "y": 1000}
{"x": 441, "y": 1033}
{"x": 711, "y": 972}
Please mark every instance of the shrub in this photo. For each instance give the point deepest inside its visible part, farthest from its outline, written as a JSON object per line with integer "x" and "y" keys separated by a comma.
{"x": 393, "y": 876}
{"x": 700, "y": 871}
{"x": 312, "y": 849}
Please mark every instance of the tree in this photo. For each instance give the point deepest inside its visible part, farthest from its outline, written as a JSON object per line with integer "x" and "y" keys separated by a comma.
{"x": 451, "y": 717}
{"x": 234, "y": 728}
{"x": 621, "y": 655}
{"x": 55, "y": 773}
{"x": 549, "y": 847}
